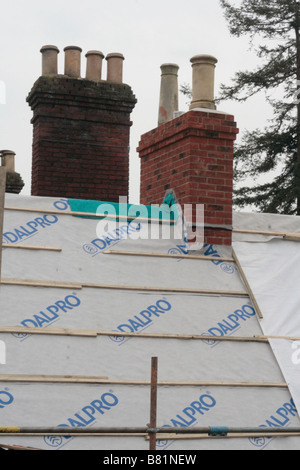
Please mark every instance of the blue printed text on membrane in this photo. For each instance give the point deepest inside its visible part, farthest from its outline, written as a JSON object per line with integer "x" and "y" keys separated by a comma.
{"x": 50, "y": 314}
{"x": 85, "y": 417}
{"x": 231, "y": 323}
{"x": 6, "y": 399}
{"x": 29, "y": 229}
{"x": 142, "y": 320}
{"x": 210, "y": 250}
{"x": 98, "y": 245}
{"x": 281, "y": 418}
{"x": 190, "y": 414}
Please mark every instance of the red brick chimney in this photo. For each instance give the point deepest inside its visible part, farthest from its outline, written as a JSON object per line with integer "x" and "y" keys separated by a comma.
{"x": 80, "y": 128}
{"x": 193, "y": 155}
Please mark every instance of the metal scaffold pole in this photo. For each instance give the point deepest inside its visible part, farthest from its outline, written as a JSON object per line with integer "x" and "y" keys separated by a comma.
{"x": 153, "y": 402}
{"x": 2, "y": 200}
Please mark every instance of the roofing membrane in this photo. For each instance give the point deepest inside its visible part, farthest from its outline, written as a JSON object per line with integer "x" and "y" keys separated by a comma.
{"x": 202, "y": 382}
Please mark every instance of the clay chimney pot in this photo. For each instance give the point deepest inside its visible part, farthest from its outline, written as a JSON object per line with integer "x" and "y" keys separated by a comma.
{"x": 115, "y": 67}
{"x": 72, "y": 61}
{"x": 94, "y": 65}
{"x": 49, "y": 60}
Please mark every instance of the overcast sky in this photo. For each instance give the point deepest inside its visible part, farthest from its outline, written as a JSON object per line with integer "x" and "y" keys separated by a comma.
{"x": 147, "y": 33}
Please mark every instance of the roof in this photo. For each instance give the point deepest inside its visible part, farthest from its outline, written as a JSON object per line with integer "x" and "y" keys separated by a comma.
{"x": 80, "y": 374}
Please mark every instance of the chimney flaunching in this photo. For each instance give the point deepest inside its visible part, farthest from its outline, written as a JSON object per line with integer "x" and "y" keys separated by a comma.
{"x": 80, "y": 128}
{"x": 193, "y": 155}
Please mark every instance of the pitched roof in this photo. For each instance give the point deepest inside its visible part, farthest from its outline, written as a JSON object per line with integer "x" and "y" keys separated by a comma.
{"x": 82, "y": 372}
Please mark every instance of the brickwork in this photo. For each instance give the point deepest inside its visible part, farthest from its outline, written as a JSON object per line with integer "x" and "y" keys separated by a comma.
{"x": 193, "y": 155}
{"x": 14, "y": 183}
{"x": 80, "y": 138}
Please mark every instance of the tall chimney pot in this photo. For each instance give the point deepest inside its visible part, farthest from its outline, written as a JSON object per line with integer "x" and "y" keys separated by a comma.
{"x": 203, "y": 81}
{"x": 72, "y": 61}
{"x": 168, "y": 102}
{"x": 115, "y": 67}
{"x": 94, "y": 65}
{"x": 49, "y": 60}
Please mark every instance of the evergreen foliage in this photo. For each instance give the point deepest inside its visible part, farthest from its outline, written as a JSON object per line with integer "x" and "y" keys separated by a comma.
{"x": 276, "y": 24}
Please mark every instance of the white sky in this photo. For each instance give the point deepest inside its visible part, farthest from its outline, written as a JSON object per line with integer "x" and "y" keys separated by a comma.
{"x": 147, "y": 33}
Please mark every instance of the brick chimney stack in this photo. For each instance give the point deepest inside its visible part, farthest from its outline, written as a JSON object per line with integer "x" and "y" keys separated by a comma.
{"x": 80, "y": 128}
{"x": 193, "y": 155}
{"x": 14, "y": 181}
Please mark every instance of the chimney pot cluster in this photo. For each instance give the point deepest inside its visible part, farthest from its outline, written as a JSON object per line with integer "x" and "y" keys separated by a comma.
{"x": 203, "y": 66}
{"x": 72, "y": 67}
{"x": 87, "y": 121}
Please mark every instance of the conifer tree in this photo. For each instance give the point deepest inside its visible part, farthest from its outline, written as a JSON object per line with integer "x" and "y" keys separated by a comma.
{"x": 276, "y": 25}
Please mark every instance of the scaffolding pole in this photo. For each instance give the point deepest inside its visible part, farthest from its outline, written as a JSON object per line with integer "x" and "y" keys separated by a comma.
{"x": 153, "y": 402}
{"x": 210, "y": 431}
{"x": 2, "y": 200}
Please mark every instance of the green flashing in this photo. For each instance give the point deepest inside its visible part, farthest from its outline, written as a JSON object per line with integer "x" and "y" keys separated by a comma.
{"x": 167, "y": 212}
